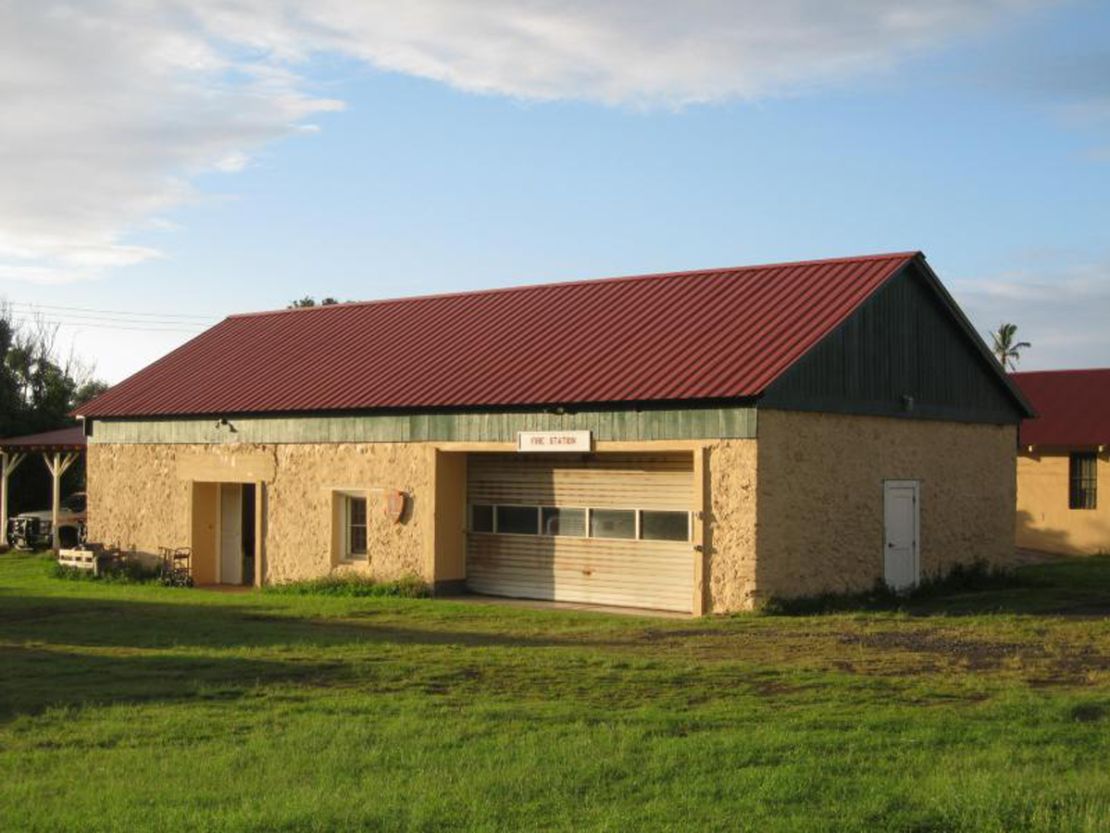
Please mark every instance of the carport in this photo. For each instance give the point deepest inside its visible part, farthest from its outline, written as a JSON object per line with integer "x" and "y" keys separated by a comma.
{"x": 60, "y": 449}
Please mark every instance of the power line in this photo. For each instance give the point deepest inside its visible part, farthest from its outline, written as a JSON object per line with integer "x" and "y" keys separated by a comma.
{"x": 105, "y": 326}
{"x": 113, "y": 312}
{"x": 78, "y": 316}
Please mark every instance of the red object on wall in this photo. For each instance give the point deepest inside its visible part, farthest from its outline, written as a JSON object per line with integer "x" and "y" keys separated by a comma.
{"x": 394, "y": 505}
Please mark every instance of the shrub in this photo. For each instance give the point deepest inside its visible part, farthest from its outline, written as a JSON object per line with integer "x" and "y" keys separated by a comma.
{"x": 408, "y": 587}
{"x": 976, "y": 577}
{"x": 126, "y": 571}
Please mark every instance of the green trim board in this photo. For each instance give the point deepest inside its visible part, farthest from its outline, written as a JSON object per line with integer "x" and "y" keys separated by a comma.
{"x": 648, "y": 424}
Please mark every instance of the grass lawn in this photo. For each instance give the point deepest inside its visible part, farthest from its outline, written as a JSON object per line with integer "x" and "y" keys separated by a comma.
{"x": 131, "y": 708}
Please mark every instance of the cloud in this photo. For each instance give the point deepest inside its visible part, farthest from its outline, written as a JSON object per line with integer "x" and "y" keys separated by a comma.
{"x": 112, "y": 107}
{"x": 1061, "y": 309}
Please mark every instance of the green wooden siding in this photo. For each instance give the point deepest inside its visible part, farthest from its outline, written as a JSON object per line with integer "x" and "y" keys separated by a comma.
{"x": 904, "y": 341}
{"x": 653, "y": 424}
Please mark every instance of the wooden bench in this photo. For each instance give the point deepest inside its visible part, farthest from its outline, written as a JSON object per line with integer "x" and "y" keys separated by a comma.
{"x": 81, "y": 559}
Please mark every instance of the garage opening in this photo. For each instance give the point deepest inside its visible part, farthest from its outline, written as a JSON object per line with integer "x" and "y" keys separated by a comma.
{"x": 602, "y": 529}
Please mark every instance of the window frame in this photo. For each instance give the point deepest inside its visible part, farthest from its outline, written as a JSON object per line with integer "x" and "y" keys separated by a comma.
{"x": 1082, "y": 487}
{"x": 689, "y": 525}
{"x": 346, "y": 553}
{"x": 497, "y": 519}
{"x": 588, "y": 522}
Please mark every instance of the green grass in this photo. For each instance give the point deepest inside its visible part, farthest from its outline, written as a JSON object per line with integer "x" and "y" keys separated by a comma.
{"x": 409, "y": 587}
{"x": 139, "y": 707}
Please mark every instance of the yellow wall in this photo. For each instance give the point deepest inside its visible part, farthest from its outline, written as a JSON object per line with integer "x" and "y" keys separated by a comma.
{"x": 140, "y": 499}
{"x": 806, "y": 497}
{"x": 730, "y": 525}
{"x": 820, "y": 497}
{"x": 1044, "y": 521}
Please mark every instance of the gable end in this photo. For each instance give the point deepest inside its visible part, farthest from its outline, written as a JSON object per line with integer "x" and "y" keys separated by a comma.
{"x": 906, "y": 352}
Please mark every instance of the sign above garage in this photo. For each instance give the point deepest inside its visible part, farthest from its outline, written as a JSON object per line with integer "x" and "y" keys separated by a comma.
{"x": 579, "y": 441}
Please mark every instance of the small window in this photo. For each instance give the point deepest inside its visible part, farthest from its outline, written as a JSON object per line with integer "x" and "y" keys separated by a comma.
{"x": 664, "y": 526}
{"x": 1082, "y": 481}
{"x": 518, "y": 520}
{"x": 481, "y": 518}
{"x": 557, "y": 521}
{"x": 612, "y": 523}
{"x": 356, "y": 527}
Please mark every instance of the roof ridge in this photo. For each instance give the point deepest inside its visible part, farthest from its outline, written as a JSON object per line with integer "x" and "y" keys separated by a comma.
{"x": 648, "y": 276}
{"x": 1061, "y": 371}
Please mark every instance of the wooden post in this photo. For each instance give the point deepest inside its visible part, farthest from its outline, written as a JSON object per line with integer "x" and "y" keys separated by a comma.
{"x": 259, "y": 529}
{"x": 8, "y": 464}
{"x": 57, "y": 465}
{"x": 700, "y": 540}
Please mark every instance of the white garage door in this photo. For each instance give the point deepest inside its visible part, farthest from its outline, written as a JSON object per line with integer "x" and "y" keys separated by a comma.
{"x": 598, "y": 529}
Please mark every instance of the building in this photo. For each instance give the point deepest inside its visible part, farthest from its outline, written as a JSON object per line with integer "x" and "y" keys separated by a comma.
{"x": 1064, "y": 462}
{"x": 697, "y": 441}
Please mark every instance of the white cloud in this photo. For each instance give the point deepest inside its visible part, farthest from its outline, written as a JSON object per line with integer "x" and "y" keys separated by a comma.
{"x": 1061, "y": 309}
{"x": 110, "y": 106}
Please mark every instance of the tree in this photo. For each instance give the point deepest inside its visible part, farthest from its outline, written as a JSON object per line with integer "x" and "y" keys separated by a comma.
{"x": 1006, "y": 349}
{"x": 39, "y": 388}
{"x": 309, "y": 301}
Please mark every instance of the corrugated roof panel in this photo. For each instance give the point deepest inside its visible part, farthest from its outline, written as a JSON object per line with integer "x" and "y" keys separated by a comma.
{"x": 710, "y": 334}
{"x": 1073, "y": 407}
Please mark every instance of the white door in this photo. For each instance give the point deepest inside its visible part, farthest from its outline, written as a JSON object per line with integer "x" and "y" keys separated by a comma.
{"x": 900, "y": 538}
{"x": 231, "y": 533}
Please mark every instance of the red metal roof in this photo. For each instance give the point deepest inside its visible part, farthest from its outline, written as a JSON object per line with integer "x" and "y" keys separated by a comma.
{"x": 1073, "y": 407}
{"x": 710, "y": 334}
{"x": 60, "y": 439}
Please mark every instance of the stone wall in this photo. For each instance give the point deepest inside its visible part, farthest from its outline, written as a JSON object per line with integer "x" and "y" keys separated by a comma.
{"x": 820, "y": 497}
{"x": 135, "y": 499}
{"x": 139, "y": 499}
{"x": 730, "y": 525}
{"x": 1044, "y": 520}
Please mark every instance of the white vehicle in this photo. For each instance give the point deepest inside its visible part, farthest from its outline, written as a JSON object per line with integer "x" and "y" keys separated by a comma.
{"x": 34, "y": 530}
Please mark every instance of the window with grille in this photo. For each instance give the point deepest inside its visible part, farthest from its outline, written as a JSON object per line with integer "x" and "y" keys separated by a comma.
{"x": 356, "y": 527}
{"x": 1082, "y": 481}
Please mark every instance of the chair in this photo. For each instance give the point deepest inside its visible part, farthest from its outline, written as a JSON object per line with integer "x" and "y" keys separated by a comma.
{"x": 177, "y": 566}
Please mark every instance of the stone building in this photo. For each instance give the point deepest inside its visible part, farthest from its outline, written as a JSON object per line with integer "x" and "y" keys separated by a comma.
{"x": 696, "y": 441}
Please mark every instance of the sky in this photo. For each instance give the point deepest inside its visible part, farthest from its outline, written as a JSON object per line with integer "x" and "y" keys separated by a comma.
{"x": 165, "y": 164}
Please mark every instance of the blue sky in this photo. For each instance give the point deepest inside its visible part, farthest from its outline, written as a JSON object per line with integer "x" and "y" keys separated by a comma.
{"x": 982, "y": 139}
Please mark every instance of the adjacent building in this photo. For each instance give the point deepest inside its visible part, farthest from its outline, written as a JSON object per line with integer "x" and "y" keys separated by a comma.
{"x": 1063, "y": 498}
{"x": 695, "y": 441}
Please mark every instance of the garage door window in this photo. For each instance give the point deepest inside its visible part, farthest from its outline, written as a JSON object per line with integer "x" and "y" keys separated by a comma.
{"x": 612, "y": 523}
{"x": 518, "y": 520}
{"x": 576, "y": 522}
{"x": 665, "y": 526}
{"x": 481, "y": 518}
{"x": 563, "y": 521}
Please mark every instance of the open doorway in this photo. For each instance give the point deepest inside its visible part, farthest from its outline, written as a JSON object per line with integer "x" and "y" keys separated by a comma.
{"x": 236, "y": 540}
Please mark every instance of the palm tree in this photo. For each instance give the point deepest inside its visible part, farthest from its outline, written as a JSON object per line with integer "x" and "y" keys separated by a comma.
{"x": 1006, "y": 349}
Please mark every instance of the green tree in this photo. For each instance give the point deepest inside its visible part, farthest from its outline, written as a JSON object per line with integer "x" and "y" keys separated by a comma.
{"x": 309, "y": 301}
{"x": 1007, "y": 349}
{"x": 39, "y": 388}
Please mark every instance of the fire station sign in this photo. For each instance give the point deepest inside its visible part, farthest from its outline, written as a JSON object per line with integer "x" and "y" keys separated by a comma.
{"x": 579, "y": 441}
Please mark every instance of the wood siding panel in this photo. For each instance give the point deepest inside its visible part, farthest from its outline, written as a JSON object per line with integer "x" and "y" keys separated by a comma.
{"x": 902, "y": 342}
{"x": 628, "y": 425}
